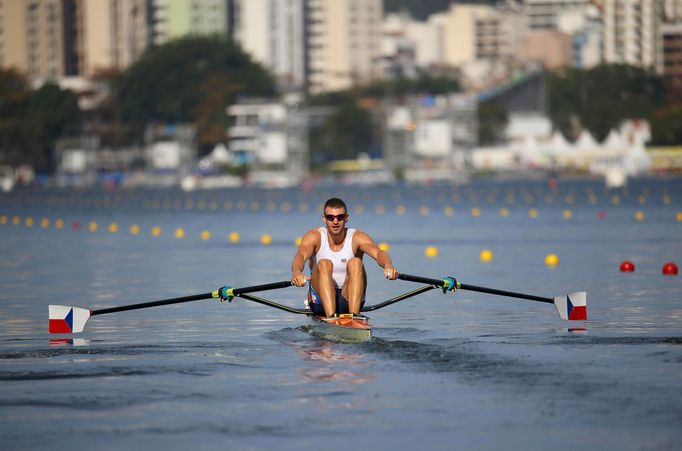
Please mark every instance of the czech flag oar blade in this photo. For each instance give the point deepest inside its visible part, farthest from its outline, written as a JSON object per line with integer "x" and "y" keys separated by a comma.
{"x": 67, "y": 320}
{"x": 572, "y": 306}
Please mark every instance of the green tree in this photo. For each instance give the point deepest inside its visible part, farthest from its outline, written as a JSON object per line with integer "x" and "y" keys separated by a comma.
{"x": 189, "y": 80}
{"x": 345, "y": 134}
{"x": 599, "y": 99}
{"x": 31, "y": 121}
{"x": 492, "y": 119}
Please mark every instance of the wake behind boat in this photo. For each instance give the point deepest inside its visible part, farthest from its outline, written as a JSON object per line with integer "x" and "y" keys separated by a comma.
{"x": 67, "y": 320}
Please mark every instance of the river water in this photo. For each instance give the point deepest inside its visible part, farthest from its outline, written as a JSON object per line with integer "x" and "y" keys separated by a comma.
{"x": 444, "y": 371}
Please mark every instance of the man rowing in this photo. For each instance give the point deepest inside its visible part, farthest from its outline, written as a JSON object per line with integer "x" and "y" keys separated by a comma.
{"x": 338, "y": 282}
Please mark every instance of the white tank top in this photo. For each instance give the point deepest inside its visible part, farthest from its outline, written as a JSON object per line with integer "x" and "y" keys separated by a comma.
{"x": 339, "y": 259}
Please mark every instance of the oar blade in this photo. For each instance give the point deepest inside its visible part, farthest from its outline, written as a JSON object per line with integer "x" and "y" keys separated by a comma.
{"x": 67, "y": 320}
{"x": 572, "y": 306}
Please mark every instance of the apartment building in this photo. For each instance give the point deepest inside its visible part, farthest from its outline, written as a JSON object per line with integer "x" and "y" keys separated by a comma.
{"x": 272, "y": 33}
{"x": 343, "y": 43}
{"x": 32, "y": 38}
{"x": 632, "y": 32}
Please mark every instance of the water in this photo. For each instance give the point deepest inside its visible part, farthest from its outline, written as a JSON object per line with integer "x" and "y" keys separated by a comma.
{"x": 462, "y": 371}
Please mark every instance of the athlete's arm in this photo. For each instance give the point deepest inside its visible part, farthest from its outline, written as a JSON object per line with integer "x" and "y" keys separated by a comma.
{"x": 366, "y": 244}
{"x": 309, "y": 243}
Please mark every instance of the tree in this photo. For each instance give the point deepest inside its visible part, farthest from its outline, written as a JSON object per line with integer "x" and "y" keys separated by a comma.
{"x": 599, "y": 99}
{"x": 189, "y": 80}
{"x": 31, "y": 121}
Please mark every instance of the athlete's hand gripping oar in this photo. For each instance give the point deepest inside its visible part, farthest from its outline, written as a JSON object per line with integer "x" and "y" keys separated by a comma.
{"x": 571, "y": 306}
{"x": 66, "y": 320}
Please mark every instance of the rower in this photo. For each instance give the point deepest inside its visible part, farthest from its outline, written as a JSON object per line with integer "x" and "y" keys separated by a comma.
{"x": 338, "y": 281}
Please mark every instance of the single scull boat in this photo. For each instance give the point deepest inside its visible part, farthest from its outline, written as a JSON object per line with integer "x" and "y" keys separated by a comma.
{"x": 66, "y": 320}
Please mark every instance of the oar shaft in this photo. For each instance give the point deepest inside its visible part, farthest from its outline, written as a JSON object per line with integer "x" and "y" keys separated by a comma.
{"x": 194, "y": 297}
{"x": 512, "y": 294}
{"x": 463, "y": 286}
{"x": 263, "y": 287}
{"x": 123, "y": 308}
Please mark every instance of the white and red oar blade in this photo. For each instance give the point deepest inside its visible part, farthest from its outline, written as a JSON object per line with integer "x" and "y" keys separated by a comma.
{"x": 572, "y": 306}
{"x": 67, "y": 320}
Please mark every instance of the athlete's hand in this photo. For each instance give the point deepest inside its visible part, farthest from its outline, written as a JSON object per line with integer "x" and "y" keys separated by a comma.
{"x": 299, "y": 279}
{"x": 390, "y": 272}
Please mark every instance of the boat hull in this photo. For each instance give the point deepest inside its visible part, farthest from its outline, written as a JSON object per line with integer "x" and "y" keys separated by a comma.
{"x": 344, "y": 328}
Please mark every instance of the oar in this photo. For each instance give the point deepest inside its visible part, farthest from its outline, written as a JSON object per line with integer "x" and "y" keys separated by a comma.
{"x": 571, "y": 306}
{"x": 66, "y": 320}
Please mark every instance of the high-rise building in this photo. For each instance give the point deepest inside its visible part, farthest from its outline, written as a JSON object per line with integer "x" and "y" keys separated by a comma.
{"x": 543, "y": 14}
{"x": 176, "y": 18}
{"x": 113, "y": 34}
{"x": 272, "y": 32}
{"x": 632, "y": 32}
{"x": 32, "y": 38}
{"x": 343, "y": 40}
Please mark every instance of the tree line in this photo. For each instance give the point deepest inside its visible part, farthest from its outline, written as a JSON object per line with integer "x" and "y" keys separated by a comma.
{"x": 192, "y": 80}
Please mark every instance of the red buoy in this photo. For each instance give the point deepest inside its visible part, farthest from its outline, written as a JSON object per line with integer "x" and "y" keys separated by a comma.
{"x": 670, "y": 269}
{"x": 627, "y": 266}
{"x": 601, "y": 214}
{"x": 75, "y": 225}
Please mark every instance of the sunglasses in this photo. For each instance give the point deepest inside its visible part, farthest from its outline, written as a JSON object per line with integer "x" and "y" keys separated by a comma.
{"x": 339, "y": 218}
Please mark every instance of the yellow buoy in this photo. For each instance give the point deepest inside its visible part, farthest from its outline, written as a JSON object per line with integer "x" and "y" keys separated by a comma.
{"x": 431, "y": 251}
{"x": 3, "y": 220}
{"x": 156, "y": 231}
{"x": 678, "y": 216}
{"x": 266, "y": 240}
{"x": 29, "y": 222}
{"x": 59, "y": 223}
{"x": 568, "y": 214}
{"x": 475, "y": 212}
{"x": 400, "y": 209}
{"x": 93, "y": 226}
{"x": 384, "y": 246}
{"x": 45, "y": 223}
{"x": 551, "y": 260}
{"x": 179, "y": 232}
{"x": 486, "y": 255}
{"x": 234, "y": 237}
{"x": 16, "y": 220}
{"x": 134, "y": 229}
{"x": 504, "y": 212}
{"x": 298, "y": 240}
{"x": 424, "y": 210}
{"x": 379, "y": 209}
{"x": 205, "y": 235}
{"x": 448, "y": 211}
{"x": 639, "y": 215}
{"x": 113, "y": 227}
{"x": 533, "y": 213}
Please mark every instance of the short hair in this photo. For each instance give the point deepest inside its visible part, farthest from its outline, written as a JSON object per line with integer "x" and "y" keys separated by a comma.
{"x": 335, "y": 202}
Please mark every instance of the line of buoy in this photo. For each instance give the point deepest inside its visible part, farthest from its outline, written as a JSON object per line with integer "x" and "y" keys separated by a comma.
{"x": 668, "y": 269}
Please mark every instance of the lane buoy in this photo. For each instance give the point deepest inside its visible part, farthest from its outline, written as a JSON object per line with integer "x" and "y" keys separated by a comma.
{"x": 670, "y": 269}
{"x": 601, "y": 214}
{"x": 234, "y": 237}
{"x": 486, "y": 255}
{"x": 134, "y": 229}
{"x": 156, "y": 231}
{"x": 298, "y": 240}
{"x": 551, "y": 260}
{"x": 431, "y": 252}
{"x": 179, "y": 232}
{"x": 113, "y": 228}
{"x": 205, "y": 235}
{"x": 266, "y": 240}
{"x": 639, "y": 215}
{"x": 384, "y": 246}
{"x": 627, "y": 266}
